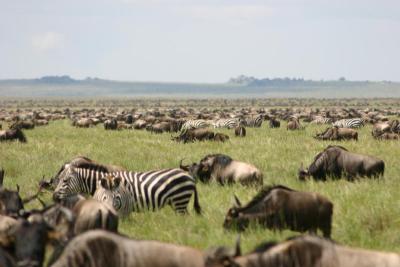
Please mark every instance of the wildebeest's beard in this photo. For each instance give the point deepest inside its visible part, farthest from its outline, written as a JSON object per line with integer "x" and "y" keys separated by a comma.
{"x": 203, "y": 173}
{"x": 318, "y": 168}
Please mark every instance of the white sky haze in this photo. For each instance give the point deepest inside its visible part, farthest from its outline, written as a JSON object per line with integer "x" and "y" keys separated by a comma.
{"x": 200, "y": 40}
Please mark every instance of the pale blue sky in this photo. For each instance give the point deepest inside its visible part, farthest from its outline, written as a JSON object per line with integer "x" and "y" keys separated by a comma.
{"x": 200, "y": 40}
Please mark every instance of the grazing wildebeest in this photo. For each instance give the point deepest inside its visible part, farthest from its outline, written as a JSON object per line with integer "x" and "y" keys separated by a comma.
{"x": 224, "y": 170}
{"x": 380, "y": 128}
{"x": 111, "y": 124}
{"x": 307, "y": 251}
{"x": 104, "y": 249}
{"x": 279, "y": 207}
{"x": 294, "y": 124}
{"x": 22, "y": 125}
{"x": 139, "y": 124}
{"x": 335, "y": 133}
{"x": 90, "y": 214}
{"x": 220, "y": 137}
{"x": 388, "y": 136}
{"x": 240, "y": 131}
{"x": 336, "y": 160}
{"x": 83, "y": 123}
{"x": 274, "y": 123}
{"x": 12, "y": 134}
{"x": 192, "y": 135}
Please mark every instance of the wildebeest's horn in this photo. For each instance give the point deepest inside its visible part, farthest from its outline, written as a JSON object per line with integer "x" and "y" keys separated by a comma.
{"x": 29, "y": 199}
{"x": 1, "y": 177}
{"x": 68, "y": 214}
{"x": 238, "y": 251}
{"x": 237, "y": 201}
{"x": 183, "y": 167}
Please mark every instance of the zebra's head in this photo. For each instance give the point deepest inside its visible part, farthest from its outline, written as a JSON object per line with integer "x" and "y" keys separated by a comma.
{"x": 109, "y": 192}
{"x": 68, "y": 183}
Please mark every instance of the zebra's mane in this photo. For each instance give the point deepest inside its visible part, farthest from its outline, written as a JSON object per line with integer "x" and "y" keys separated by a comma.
{"x": 264, "y": 192}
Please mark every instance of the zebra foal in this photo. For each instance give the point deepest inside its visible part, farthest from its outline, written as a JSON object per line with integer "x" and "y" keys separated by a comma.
{"x": 147, "y": 191}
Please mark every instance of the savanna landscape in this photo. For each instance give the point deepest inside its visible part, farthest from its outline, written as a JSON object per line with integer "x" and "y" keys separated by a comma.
{"x": 366, "y": 212}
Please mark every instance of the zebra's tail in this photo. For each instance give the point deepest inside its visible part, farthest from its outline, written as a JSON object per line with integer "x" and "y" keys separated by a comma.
{"x": 196, "y": 204}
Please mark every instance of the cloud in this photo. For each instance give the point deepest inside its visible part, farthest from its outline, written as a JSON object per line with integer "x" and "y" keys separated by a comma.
{"x": 47, "y": 41}
{"x": 231, "y": 12}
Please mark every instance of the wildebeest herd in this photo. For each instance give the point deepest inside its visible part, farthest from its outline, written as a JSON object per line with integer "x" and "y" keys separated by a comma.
{"x": 90, "y": 198}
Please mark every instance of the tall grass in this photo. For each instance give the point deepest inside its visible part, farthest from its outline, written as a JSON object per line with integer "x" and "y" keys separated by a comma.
{"x": 366, "y": 212}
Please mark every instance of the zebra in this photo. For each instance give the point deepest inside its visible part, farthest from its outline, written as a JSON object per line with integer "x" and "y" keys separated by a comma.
{"x": 194, "y": 124}
{"x": 349, "y": 123}
{"x": 169, "y": 186}
{"x": 143, "y": 191}
{"x": 321, "y": 120}
{"x": 227, "y": 123}
{"x": 255, "y": 121}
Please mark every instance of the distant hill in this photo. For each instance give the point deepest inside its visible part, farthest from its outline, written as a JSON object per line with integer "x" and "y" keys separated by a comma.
{"x": 238, "y": 87}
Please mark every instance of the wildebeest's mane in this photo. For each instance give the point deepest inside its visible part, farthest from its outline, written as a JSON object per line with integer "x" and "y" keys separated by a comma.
{"x": 265, "y": 246}
{"x": 264, "y": 192}
{"x": 220, "y": 159}
{"x": 338, "y": 146}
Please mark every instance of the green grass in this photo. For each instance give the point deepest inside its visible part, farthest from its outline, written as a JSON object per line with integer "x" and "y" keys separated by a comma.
{"x": 366, "y": 212}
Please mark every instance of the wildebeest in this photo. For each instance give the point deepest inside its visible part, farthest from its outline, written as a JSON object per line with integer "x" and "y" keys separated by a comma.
{"x": 83, "y": 123}
{"x": 380, "y": 128}
{"x": 240, "y": 131}
{"x": 104, "y": 249}
{"x": 335, "y": 133}
{"x": 192, "y": 135}
{"x": 90, "y": 214}
{"x": 22, "y": 125}
{"x": 139, "y": 124}
{"x": 220, "y": 137}
{"x": 294, "y": 124}
{"x": 336, "y": 160}
{"x": 111, "y": 124}
{"x": 224, "y": 170}
{"x": 279, "y": 207}
{"x": 388, "y": 136}
{"x": 274, "y": 123}
{"x": 308, "y": 251}
{"x": 12, "y": 134}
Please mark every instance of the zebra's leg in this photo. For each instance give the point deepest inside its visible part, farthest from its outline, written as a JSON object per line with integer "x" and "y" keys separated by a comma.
{"x": 180, "y": 205}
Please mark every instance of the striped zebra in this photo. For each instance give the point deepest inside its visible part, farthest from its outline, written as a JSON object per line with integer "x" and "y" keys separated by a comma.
{"x": 349, "y": 123}
{"x": 195, "y": 124}
{"x": 147, "y": 190}
{"x": 321, "y": 120}
{"x": 254, "y": 121}
{"x": 227, "y": 123}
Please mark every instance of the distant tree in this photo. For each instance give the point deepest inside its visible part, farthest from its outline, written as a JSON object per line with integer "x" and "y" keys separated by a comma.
{"x": 342, "y": 79}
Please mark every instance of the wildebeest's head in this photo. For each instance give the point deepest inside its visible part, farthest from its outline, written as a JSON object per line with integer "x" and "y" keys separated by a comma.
{"x": 222, "y": 256}
{"x": 234, "y": 218}
{"x": 209, "y": 164}
{"x": 10, "y": 202}
{"x": 303, "y": 174}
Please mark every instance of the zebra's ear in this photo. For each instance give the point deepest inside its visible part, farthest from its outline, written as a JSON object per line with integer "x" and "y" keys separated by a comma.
{"x": 117, "y": 181}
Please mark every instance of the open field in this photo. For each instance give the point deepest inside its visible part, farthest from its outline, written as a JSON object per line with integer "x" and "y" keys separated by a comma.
{"x": 366, "y": 212}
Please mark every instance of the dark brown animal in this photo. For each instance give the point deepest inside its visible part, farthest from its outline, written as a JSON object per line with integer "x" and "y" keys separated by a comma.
{"x": 193, "y": 135}
{"x": 337, "y": 134}
{"x": 111, "y": 124}
{"x": 294, "y": 124}
{"x": 274, "y": 123}
{"x": 240, "y": 131}
{"x": 307, "y": 251}
{"x": 388, "y": 136}
{"x": 104, "y": 249}
{"x": 335, "y": 161}
{"x": 279, "y": 207}
{"x": 12, "y": 134}
{"x": 220, "y": 137}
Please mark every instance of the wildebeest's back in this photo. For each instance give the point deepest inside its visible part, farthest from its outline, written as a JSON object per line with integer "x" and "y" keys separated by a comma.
{"x": 362, "y": 165}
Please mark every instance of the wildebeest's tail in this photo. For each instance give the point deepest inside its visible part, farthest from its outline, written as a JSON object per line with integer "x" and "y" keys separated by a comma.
{"x": 196, "y": 204}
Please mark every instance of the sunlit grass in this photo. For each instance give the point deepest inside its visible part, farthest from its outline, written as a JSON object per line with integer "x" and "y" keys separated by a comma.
{"x": 366, "y": 212}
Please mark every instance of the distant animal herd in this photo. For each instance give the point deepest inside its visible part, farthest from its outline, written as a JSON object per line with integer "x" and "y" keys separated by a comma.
{"x": 84, "y": 230}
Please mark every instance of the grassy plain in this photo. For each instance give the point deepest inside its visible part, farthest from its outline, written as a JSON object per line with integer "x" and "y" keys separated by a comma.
{"x": 366, "y": 212}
